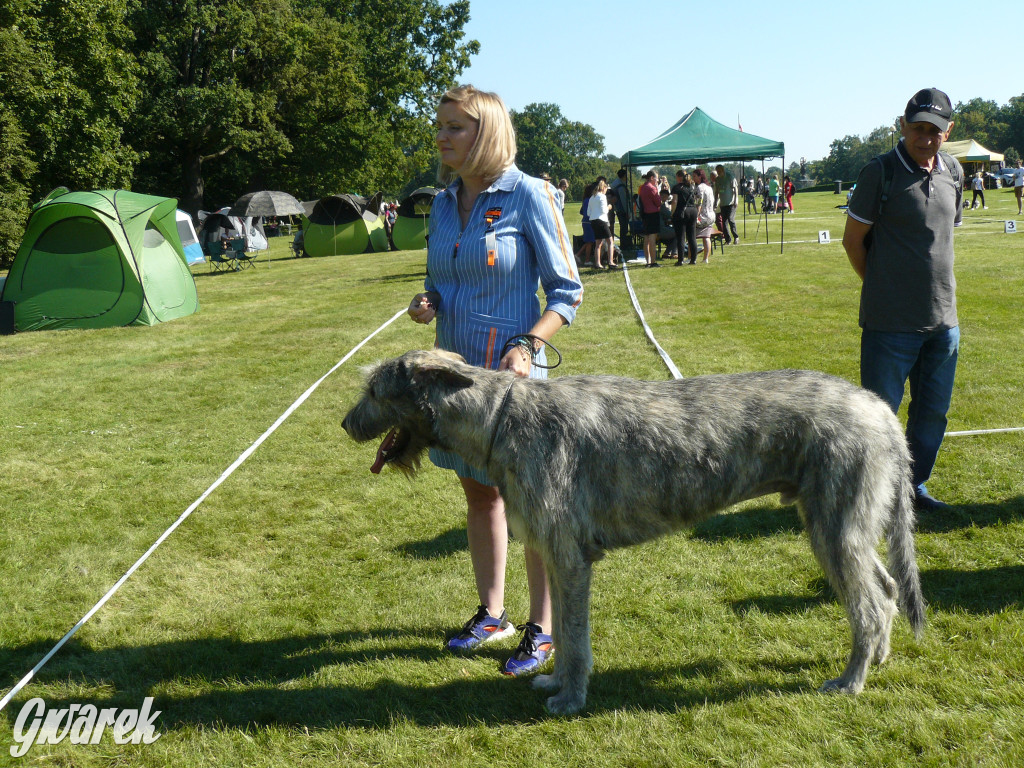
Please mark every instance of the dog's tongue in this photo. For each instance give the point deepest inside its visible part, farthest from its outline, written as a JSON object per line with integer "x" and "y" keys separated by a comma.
{"x": 382, "y": 452}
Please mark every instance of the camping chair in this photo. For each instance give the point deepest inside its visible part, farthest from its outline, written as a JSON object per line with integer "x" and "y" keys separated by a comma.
{"x": 220, "y": 259}
{"x": 242, "y": 257}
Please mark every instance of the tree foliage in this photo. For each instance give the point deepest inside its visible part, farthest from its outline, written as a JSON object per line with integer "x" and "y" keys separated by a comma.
{"x": 548, "y": 142}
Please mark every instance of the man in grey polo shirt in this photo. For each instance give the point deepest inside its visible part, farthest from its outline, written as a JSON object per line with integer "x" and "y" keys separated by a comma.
{"x": 908, "y": 299}
{"x": 726, "y": 193}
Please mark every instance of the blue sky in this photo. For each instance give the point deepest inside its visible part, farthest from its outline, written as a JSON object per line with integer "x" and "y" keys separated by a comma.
{"x": 804, "y": 73}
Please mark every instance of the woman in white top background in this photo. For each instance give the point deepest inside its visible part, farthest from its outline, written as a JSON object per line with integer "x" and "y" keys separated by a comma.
{"x": 597, "y": 210}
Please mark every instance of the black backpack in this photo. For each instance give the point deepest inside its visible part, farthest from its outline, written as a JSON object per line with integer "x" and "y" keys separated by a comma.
{"x": 888, "y": 163}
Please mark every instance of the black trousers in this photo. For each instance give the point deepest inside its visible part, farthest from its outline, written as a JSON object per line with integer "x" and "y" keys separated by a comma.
{"x": 686, "y": 231}
{"x": 977, "y": 193}
{"x": 729, "y": 222}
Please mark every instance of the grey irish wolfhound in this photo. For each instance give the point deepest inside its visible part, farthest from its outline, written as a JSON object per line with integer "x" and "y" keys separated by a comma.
{"x": 564, "y": 453}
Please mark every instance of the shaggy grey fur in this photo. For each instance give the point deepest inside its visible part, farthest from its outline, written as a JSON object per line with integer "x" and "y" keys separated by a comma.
{"x": 564, "y": 453}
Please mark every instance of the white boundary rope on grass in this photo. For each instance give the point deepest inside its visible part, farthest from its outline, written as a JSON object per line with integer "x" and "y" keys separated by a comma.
{"x": 184, "y": 515}
{"x": 966, "y": 432}
{"x": 647, "y": 329}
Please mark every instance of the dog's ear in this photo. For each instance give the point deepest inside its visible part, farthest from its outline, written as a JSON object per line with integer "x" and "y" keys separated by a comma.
{"x": 440, "y": 372}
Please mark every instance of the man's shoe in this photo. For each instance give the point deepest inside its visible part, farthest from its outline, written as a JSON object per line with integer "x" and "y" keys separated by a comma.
{"x": 482, "y": 628}
{"x": 925, "y": 502}
{"x": 533, "y": 651}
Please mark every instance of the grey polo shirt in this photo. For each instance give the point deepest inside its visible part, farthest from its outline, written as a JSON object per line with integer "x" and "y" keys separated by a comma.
{"x": 908, "y": 281}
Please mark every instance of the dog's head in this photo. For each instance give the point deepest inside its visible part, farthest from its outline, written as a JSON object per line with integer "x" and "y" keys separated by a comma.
{"x": 396, "y": 403}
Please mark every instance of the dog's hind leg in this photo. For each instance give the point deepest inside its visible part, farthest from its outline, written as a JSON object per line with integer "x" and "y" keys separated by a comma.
{"x": 843, "y": 546}
{"x": 887, "y": 584}
{"x": 573, "y": 658}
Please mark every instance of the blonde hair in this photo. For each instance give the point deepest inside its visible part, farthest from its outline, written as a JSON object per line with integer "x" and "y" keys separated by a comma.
{"x": 495, "y": 147}
{"x": 602, "y": 185}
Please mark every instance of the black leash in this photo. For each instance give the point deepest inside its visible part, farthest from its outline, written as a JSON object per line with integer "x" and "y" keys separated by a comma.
{"x": 526, "y": 341}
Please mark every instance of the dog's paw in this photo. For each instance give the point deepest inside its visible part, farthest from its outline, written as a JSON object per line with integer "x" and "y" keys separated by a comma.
{"x": 547, "y": 682}
{"x": 841, "y": 686}
{"x": 565, "y": 703}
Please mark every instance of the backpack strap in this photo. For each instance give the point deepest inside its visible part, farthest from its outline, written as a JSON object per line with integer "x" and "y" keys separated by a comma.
{"x": 888, "y": 164}
{"x": 956, "y": 171}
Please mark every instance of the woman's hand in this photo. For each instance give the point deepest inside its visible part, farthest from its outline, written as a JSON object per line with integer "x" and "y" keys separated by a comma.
{"x": 516, "y": 360}
{"x": 423, "y": 307}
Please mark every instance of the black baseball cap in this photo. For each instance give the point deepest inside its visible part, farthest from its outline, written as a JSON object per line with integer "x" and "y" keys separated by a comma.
{"x": 929, "y": 105}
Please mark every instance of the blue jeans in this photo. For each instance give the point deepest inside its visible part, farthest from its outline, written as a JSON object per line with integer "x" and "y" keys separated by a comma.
{"x": 928, "y": 360}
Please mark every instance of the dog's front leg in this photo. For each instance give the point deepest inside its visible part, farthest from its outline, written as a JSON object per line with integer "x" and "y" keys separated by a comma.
{"x": 573, "y": 658}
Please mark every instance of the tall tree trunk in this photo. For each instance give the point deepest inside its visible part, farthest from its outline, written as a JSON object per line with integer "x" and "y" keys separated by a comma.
{"x": 192, "y": 182}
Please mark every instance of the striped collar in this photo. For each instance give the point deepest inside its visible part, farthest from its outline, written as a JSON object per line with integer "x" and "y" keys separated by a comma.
{"x": 507, "y": 182}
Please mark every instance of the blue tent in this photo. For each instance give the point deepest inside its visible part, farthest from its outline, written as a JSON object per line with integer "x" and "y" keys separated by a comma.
{"x": 189, "y": 239}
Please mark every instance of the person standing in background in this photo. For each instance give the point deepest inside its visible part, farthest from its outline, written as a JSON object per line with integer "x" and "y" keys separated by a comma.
{"x": 726, "y": 195}
{"x": 650, "y": 206}
{"x": 908, "y": 312}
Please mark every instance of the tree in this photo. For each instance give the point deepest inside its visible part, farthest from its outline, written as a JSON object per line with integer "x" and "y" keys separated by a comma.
{"x": 67, "y": 80}
{"x": 313, "y": 96}
{"x": 16, "y": 169}
{"x": 66, "y": 90}
{"x": 548, "y": 142}
{"x": 979, "y": 120}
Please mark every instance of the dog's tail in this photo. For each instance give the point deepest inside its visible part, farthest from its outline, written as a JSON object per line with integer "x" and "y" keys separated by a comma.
{"x": 903, "y": 556}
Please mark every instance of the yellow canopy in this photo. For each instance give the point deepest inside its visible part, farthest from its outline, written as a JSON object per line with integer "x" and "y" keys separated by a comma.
{"x": 971, "y": 151}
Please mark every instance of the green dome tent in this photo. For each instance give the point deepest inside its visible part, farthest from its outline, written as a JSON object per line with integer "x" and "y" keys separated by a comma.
{"x": 344, "y": 225}
{"x": 412, "y": 222}
{"x": 97, "y": 260}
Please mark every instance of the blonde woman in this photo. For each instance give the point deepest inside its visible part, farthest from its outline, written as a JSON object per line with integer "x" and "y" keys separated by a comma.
{"x": 495, "y": 234}
{"x": 597, "y": 210}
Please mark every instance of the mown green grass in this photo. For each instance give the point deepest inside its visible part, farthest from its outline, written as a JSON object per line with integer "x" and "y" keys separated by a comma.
{"x": 297, "y": 617}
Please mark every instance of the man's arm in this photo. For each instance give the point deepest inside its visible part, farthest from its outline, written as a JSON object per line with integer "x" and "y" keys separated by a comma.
{"x": 853, "y": 243}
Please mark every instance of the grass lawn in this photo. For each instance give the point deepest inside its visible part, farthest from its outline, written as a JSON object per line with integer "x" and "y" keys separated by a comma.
{"x": 298, "y": 616}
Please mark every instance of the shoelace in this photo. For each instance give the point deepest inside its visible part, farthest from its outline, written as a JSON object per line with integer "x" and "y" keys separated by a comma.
{"x": 479, "y": 616}
{"x": 528, "y": 645}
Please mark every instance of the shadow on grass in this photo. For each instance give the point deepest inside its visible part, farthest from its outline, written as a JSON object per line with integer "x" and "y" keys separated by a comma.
{"x": 749, "y": 524}
{"x": 788, "y": 604}
{"x": 968, "y": 515}
{"x": 761, "y": 522}
{"x": 982, "y": 591}
{"x": 442, "y": 545}
{"x": 986, "y": 590}
{"x": 249, "y": 684}
{"x": 398, "y": 277}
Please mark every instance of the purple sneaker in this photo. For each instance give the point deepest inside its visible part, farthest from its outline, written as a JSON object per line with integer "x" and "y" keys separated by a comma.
{"x": 534, "y": 649}
{"x": 482, "y": 628}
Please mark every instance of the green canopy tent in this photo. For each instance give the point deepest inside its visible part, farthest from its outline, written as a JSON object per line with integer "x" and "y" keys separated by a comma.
{"x": 344, "y": 225}
{"x": 97, "y": 260}
{"x": 697, "y": 139}
{"x": 410, "y": 230}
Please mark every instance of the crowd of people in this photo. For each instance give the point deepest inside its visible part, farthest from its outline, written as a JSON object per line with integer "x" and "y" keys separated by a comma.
{"x": 698, "y": 206}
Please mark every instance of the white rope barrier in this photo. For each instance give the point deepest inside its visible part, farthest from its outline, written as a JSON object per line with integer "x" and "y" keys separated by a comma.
{"x": 966, "y": 432}
{"x": 647, "y": 329}
{"x": 184, "y": 515}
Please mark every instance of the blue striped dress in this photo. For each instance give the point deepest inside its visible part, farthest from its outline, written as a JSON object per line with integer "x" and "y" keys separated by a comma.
{"x": 488, "y": 274}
